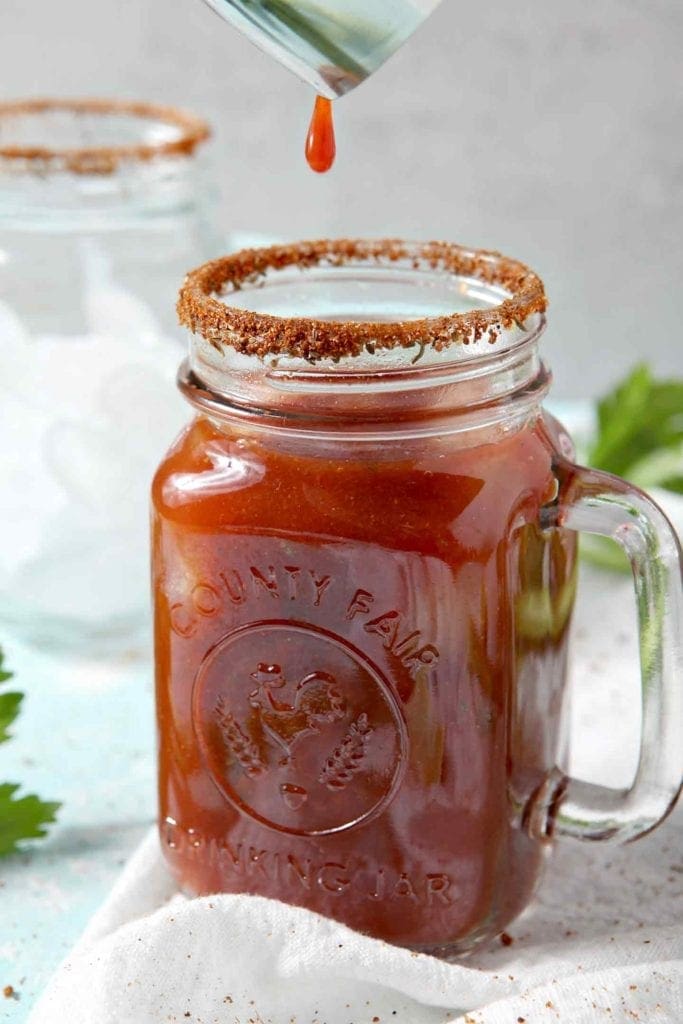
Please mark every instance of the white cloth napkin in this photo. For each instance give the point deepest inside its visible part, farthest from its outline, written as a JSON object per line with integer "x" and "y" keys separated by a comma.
{"x": 602, "y": 943}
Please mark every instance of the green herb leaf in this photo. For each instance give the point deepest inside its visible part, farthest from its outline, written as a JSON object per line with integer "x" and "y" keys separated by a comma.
{"x": 640, "y": 437}
{"x": 673, "y": 483}
{"x": 10, "y": 704}
{"x": 639, "y": 422}
{"x": 4, "y": 674}
{"x": 27, "y": 816}
{"x": 23, "y": 818}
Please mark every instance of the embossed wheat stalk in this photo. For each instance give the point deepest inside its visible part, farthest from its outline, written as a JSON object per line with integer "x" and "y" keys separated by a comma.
{"x": 242, "y": 748}
{"x": 348, "y": 757}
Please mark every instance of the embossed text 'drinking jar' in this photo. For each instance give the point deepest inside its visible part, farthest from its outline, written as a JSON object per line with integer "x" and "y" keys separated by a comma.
{"x": 364, "y": 569}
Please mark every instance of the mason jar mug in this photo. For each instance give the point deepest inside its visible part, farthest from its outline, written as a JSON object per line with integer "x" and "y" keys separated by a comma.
{"x": 364, "y": 558}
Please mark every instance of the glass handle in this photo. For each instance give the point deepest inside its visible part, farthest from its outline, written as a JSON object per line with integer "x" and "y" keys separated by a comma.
{"x": 600, "y": 503}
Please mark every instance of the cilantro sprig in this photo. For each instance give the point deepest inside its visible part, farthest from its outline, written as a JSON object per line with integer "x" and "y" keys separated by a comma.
{"x": 640, "y": 431}
{"x": 639, "y": 437}
{"x": 23, "y": 817}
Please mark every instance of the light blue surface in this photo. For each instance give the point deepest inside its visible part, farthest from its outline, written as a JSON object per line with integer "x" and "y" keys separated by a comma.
{"x": 86, "y": 738}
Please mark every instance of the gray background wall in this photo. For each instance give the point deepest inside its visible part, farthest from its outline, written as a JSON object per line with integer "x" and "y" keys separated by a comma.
{"x": 552, "y": 130}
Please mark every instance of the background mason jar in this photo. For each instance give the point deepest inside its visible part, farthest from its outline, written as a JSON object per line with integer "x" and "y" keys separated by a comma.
{"x": 103, "y": 207}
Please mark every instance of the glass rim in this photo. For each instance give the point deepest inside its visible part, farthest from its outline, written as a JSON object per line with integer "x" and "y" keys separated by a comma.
{"x": 102, "y": 159}
{"x": 203, "y": 310}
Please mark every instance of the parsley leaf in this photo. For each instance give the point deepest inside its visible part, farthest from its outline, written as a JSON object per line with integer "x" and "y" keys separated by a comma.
{"x": 9, "y": 709}
{"x": 640, "y": 430}
{"x": 4, "y": 674}
{"x": 23, "y": 818}
{"x": 9, "y": 704}
{"x": 640, "y": 438}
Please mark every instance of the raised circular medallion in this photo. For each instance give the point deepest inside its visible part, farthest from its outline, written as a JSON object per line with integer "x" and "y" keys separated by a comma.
{"x": 298, "y": 728}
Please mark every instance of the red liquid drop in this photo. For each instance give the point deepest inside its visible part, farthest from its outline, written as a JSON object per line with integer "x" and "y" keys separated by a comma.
{"x": 321, "y": 148}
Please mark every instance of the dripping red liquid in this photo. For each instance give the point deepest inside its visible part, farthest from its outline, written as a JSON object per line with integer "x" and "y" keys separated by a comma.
{"x": 320, "y": 143}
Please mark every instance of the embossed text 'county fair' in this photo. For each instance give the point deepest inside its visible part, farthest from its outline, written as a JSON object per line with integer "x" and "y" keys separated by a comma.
{"x": 273, "y": 588}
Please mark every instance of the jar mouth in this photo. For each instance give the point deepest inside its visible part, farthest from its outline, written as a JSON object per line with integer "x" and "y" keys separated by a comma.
{"x": 93, "y": 136}
{"x": 451, "y": 300}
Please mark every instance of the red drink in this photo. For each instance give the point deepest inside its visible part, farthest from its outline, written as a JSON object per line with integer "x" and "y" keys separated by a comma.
{"x": 339, "y": 673}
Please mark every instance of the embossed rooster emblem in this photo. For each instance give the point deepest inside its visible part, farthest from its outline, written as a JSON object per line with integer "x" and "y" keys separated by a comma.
{"x": 315, "y": 701}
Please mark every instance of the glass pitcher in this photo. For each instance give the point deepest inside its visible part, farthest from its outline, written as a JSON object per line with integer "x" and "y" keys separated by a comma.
{"x": 102, "y": 207}
{"x": 364, "y": 557}
{"x": 334, "y": 45}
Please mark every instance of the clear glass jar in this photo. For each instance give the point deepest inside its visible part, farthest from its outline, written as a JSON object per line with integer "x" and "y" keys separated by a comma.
{"x": 364, "y": 567}
{"x": 102, "y": 207}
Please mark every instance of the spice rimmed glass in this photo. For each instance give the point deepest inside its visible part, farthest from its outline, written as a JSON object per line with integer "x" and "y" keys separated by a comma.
{"x": 364, "y": 569}
{"x": 102, "y": 207}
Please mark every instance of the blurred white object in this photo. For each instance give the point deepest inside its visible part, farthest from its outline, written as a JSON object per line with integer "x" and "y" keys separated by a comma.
{"x": 93, "y": 255}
